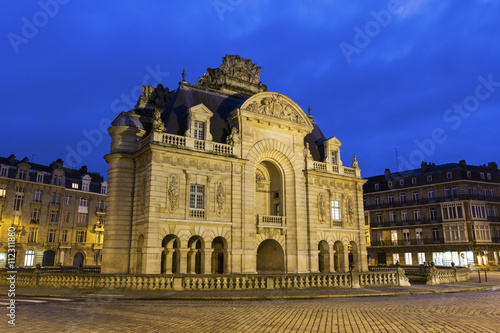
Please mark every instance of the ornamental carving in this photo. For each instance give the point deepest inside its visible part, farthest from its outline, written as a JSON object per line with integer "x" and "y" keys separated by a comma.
{"x": 276, "y": 106}
{"x": 321, "y": 208}
{"x": 154, "y": 97}
{"x": 349, "y": 208}
{"x": 232, "y": 66}
{"x": 259, "y": 179}
{"x": 158, "y": 125}
{"x": 220, "y": 198}
{"x": 173, "y": 194}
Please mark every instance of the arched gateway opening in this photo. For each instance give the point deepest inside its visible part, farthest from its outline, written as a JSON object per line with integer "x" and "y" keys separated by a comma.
{"x": 270, "y": 257}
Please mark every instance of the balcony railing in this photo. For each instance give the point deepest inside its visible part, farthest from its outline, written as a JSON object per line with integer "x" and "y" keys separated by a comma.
{"x": 191, "y": 143}
{"x": 271, "y": 220}
{"x": 427, "y": 201}
{"x": 331, "y": 168}
{"x": 401, "y": 242}
{"x": 396, "y": 223}
{"x": 197, "y": 213}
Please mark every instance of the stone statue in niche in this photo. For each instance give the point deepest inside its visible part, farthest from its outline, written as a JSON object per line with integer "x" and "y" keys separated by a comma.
{"x": 173, "y": 194}
{"x": 220, "y": 198}
{"x": 233, "y": 138}
{"x": 321, "y": 208}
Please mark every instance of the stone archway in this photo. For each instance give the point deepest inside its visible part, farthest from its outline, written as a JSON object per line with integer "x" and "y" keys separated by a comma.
{"x": 323, "y": 257}
{"x": 48, "y": 258}
{"x": 78, "y": 259}
{"x": 219, "y": 256}
{"x": 170, "y": 255}
{"x": 339, "y": 256}
{"x": 195, "y": 245}
{"x": 270, "y": 257}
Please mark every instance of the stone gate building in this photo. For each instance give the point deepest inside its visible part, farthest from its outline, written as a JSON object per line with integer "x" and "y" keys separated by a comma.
{"x": 225, "y": 177}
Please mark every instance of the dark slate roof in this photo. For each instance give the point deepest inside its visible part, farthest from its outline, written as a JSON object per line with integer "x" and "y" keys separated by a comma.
{"x": 221, "y": 104}
{"x": 71, "y": 175}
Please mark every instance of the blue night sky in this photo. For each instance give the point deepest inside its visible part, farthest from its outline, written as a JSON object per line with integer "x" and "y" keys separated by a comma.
{"x": 422, "y": 77}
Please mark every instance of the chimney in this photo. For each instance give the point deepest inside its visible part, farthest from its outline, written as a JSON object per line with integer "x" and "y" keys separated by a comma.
{"x": 387, "y": 172}
{"x": 424, "y": 166}
{"x": 462, "y": 163}
{"x": 83, "y": 169}
{"x": 493, "y": 165}
{"x": 12, "y": 159}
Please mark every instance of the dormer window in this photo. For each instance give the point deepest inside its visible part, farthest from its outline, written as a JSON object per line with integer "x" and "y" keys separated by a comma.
{"x": 104, "y": 188}
{"x": 86, "y": 183}
{"x": 39, "y": 177}
{"x": 74, "y": 186}
{"x": 199, "y": 122}
{"x": 332, "y": 151}
{"x": 333, "y": 157}
{"x": 4, "y": 171}
{"x": 21, "y": 174}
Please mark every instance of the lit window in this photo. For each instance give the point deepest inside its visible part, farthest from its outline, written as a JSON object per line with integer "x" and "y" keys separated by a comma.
{"x": 29, "y": 258}
{"x": 33, "y": 234}
{"x": 408, "y": 259}
{"x": 3, "y": 192}
{"x": 335, "y": 210}
{"x": 75, "y": 186}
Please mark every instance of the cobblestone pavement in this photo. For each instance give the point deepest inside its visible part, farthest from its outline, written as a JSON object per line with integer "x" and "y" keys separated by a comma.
{"x": 475, "y": 311}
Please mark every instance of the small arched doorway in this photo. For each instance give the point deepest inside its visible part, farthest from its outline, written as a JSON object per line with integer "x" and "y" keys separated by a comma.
{"x": 218, "y": 256}
{"x": 323, "y": 257}
{"x": 48, "y": 258}
{"x": 270, "y": 257}
{"x": 78, "y": 259}
{"x": 170, "y": 255}
{"x": 339, "y": 256}
{"x": 194, "y": 255}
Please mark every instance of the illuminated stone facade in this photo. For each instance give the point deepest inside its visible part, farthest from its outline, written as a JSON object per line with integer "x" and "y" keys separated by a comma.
{"x": 56, "y": 213}
{"x": 224, "y": 177}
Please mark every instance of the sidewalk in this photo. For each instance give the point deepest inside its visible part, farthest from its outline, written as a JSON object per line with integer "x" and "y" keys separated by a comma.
{"x": 416, "y": 289}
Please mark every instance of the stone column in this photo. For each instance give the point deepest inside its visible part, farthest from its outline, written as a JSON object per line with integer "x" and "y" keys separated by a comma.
{"x": 332, "y": 261}
{"x": 346, "y": 260}
{"x": 183, "y": 262}
{"x": 206, "y": 261}
{"x": 61, "y": 257}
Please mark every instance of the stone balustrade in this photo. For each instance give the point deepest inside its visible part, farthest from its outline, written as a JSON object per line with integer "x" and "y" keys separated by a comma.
{"x": 447, "y": 275}
{"x": 188, "y": 143}
{"x": 335, "y": 169}
{"x": 209, "y": 282}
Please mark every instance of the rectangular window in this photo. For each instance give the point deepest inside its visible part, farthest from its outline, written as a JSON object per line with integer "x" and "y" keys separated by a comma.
{"x": 81, "y": 236}
{"x": 488, "y": 175}
{"x": 418, "y": 235}
{"x": 433, "y": 214}
{"x": 37, "y": 196}
{"x": 51, "y": 236}
{"x": 64, "y": 236}
{"x": 482, "y": 175}
{"x": 377, "y": 202}
{"x": 408, "y": 259}
{"x": 404, "y": 216}
{"x": 29, "y": 258}
{"x": 392, "y": 216}
{"x": 429, "y": 178}
{"x": 414, "y": 180}
{"x": 416, "y": 215}
{"x": 394, "y": 237}
{"x": 435, "y": 235}
{"x": 478, "y": 211}
{"x": 85, "y": 186}
{"x": 4, "y": 171}
{"x": 32, "y": 235}
{"x": 389, "y": 184}
{"x": 82, "y": 218}
{"x": 199, "y": 128}
{"x": 401, "y": 182}
{"x": 452, "y": 211}
{"x": 21, "y": 174}
{"x": 447, "y": 193}
{"x": 390, "y": 200}
{"x": 449, "y": 175}
{"x": 335, "y": 210}
{"x": 3, "y": 192}
{"x": 379, "y": 218}
{"x": 395, "y": 258}
{"x": 74, "y": 186}
{"x": 406, "y": 235}
{"x": 104, "y": 189}
{"x": 196, "y": 197}
{"x": 469, "y": 175}
{"x": 39, "y": 177}
{"x": 377, "y": 186}
{"x": 402, "y": 198}
{"x": 414, "y": 197}
{"x": 83, "y": 202}
{"x": 35, "y": 215}
{"x": 54, "y": 215}
{"x": 421, "y": 258}
{"x": 18, "y": 202}
{"x": 430, "y": 195}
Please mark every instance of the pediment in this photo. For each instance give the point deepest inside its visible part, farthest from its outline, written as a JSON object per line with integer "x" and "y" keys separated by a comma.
{"x": 278, "y": 106}
{"x": 334, "y": 142}
{"x": 201, "y": 110}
